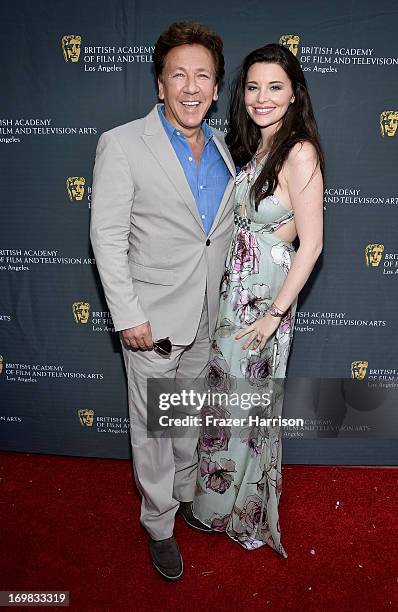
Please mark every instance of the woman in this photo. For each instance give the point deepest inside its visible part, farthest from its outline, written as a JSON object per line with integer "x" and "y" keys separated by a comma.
{"x": 279, "y": 196}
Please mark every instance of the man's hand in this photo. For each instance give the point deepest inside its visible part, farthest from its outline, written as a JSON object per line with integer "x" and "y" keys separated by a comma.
{"x": 139, "y": 337}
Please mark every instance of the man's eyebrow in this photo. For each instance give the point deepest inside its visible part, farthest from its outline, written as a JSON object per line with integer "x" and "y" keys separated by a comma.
{"x": 196, "y": 69}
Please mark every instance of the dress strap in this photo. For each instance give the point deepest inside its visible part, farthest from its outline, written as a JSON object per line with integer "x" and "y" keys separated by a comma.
{"x": 269, "y": 228}
{"x": 247, "y": 174}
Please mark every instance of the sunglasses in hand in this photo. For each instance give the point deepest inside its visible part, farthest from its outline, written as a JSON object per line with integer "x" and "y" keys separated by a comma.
{"x": 162, "y": 347}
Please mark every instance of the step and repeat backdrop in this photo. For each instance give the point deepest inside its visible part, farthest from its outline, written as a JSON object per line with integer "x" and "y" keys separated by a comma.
{"x": 68, "y": 74}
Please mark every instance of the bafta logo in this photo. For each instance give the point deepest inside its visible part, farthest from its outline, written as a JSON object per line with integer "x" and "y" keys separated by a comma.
{"x": 373, "y": 254}
{"x": 358, "y": 369}
{"x": 81, "y": 311}
{"x": 291, "y": 41}
{"x": 86, "y": 417}
{"x": 388, "y": 123}
{"x": 1, "y": 363}
{"x": 71, "y": 47}
{"x": 75, "y": 188}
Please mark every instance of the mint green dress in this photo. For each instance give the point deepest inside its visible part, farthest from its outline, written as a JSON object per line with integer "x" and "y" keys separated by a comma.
{"x": 239, "y": 472}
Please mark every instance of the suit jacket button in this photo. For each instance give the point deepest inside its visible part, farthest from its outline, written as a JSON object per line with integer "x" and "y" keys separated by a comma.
{"x": 208, "y": 242}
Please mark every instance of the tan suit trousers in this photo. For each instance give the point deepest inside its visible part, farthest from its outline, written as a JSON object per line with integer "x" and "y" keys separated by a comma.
{"x": 164, "y": 467}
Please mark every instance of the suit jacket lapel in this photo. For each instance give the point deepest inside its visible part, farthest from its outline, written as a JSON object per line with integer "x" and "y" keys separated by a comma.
{"x": 231, "y": 167}
{"x": 225, "y": 154}
{"x": 158, "y": 142}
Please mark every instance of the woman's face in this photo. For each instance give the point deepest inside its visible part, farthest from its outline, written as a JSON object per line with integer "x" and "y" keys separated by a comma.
{"x": 268, "y": 93}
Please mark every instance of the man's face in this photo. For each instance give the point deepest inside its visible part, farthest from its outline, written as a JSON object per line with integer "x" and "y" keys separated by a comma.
{"x": 389, "y": 123}
{"x": 188, "y": 86}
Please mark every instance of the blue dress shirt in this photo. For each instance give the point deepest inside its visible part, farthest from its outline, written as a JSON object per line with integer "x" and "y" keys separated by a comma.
{"x": 209, "y": 178}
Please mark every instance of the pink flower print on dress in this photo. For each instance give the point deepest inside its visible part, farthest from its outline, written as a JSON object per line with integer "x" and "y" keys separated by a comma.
{"x": 256, "y": 369}
{"x": 246, "y": 255}
{"x": 219, "y": 523}
{"x": 214, "y": 438}
{"x": 251, "y": 512}
{"x": 249, "y": 304}
{"x": 284, "y": 330}
{"x": 218, "y": 475}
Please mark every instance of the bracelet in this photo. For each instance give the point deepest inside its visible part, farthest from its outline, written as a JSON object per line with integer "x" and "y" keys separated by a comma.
{"x": 274, "y": 311}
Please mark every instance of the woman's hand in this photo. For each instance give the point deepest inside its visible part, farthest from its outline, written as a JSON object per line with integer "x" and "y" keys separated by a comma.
{"x": 259, "y": 332}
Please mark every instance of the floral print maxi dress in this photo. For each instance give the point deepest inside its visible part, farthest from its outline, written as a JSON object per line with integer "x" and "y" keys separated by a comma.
{"x": 239, "y": 473}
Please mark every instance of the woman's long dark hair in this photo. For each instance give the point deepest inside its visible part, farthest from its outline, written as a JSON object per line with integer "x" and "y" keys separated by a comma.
{"x": 298, "y": 123}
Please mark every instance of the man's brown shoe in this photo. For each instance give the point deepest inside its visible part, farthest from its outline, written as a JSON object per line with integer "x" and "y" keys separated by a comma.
{"x": 166, "y": 558}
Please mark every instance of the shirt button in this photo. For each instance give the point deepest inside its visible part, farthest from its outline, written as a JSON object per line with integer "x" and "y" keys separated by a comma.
{"x": 178, "y": 134}
{"x": 201, "y": 187}
{"x": 208, "y": 242}
{"x": 190, "y": 158}
{"x": 203, "y": 216}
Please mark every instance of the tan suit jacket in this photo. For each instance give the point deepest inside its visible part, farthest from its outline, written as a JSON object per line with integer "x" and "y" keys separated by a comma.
{"x": 151, "y": 250}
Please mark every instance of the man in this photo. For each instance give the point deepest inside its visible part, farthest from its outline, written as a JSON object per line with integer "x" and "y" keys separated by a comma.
{"x": 160, "y": 228}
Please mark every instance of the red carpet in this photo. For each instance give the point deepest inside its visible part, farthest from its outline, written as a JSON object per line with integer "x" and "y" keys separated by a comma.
{"x": 73, "y": 524}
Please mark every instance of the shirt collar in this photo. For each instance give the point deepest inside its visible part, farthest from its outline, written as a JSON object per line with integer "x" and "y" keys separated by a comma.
{"x": 171, "y": 130}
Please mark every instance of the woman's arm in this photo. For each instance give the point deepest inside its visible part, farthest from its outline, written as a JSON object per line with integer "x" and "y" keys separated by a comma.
{"x": 306, "y": 196}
